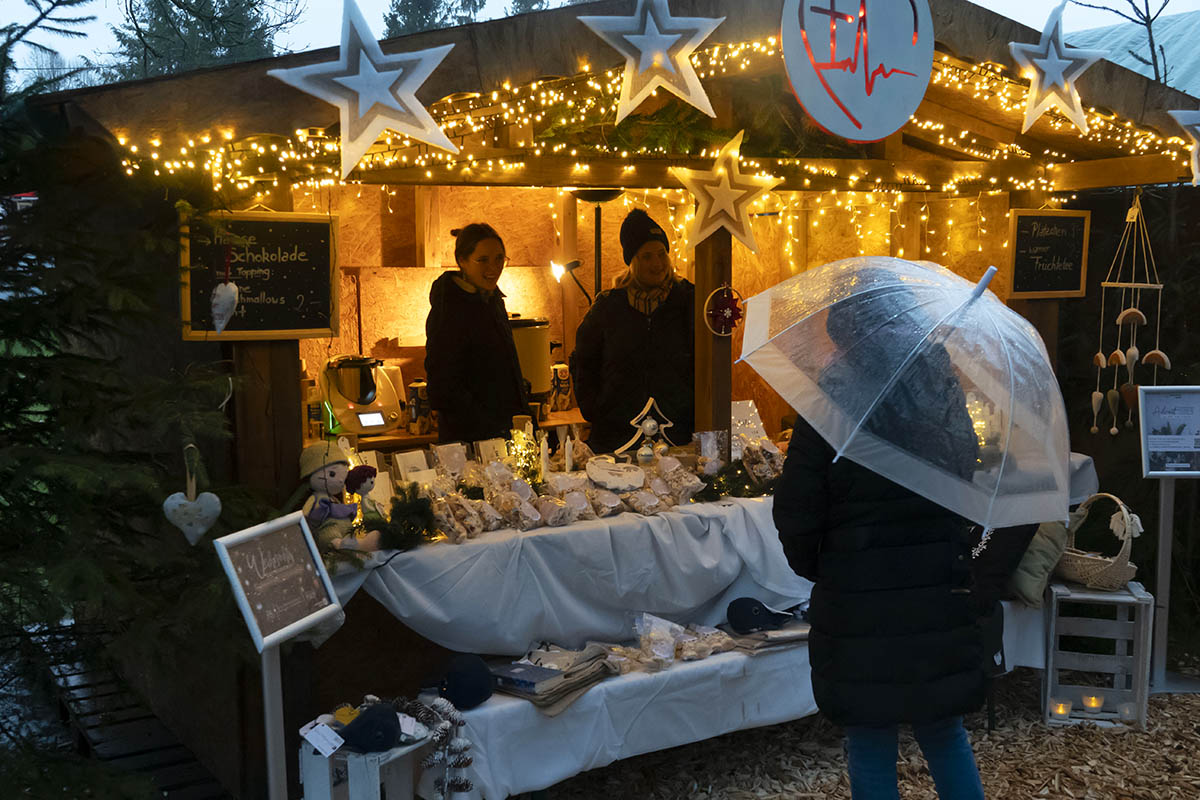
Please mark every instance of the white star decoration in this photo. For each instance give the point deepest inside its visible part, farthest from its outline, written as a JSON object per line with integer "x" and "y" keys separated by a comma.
{"x": 1055, "y": 70}
{"x": 1190, "y": 122}
{"x": 373, "y": 92}
{"x": 658, "y": 49}
{"x": 724, "y": 195}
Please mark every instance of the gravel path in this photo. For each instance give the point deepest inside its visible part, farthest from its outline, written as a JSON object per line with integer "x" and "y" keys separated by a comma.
{"x": 1021, "y": 759}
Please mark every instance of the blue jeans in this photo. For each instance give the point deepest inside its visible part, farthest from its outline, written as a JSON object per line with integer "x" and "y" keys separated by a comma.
{"x": 872, "y": 752}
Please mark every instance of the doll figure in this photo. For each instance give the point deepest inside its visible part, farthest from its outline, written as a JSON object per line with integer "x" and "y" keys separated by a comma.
{"x": 330, "y": 518}
{"x": 361, "y": 480}
{"x": 560, "y": 387}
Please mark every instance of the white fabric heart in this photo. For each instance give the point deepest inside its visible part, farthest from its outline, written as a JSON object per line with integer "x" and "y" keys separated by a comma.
{"x": 224, "y": 304}
{"x": 193, "y": 517}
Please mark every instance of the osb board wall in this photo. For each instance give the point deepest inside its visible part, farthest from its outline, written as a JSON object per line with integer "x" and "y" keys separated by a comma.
{"x": 524, "y": 218}
{"x": 612, "y": 214}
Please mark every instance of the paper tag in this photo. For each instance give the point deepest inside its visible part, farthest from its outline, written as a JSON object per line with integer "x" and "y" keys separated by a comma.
{"x": 423, "y": 477}
{"x": 322, "y": 737}
{"x": 408, "y": 725}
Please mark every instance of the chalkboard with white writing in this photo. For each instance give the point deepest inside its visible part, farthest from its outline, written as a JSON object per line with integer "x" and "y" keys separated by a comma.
{"x": 1049, "y": 253}
{"x": 283, "y": 265}
{"x": 278, "y": 576}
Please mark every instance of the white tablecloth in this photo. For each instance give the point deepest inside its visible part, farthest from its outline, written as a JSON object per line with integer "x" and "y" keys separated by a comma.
{"x": 507, "y": 590}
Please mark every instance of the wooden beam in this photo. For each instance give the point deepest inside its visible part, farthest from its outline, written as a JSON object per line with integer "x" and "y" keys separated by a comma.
{"x": 1128, "y": 171}
{"x": 714, "y": 354}
{"x": 526, "y": 169}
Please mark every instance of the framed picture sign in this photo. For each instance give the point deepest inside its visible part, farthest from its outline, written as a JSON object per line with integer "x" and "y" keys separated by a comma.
{"x": 278, "y": 578}
{"x": 1170, "y": 428}
{"x": 1049, "y": 252}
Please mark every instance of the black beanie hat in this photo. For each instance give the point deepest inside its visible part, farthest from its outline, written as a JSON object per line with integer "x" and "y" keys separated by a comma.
{"x": 636, "y": 230}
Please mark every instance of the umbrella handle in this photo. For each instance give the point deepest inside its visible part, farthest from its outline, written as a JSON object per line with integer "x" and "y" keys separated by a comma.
{"x": 983, "y": 283}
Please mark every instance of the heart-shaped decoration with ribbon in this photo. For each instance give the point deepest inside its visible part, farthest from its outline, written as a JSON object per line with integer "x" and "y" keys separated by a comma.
{"x": 224, "y": 304}
{"x": 193, "y": 517}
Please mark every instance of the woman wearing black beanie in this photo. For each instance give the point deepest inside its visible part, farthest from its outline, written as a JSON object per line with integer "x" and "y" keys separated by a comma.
{"x": 637, "y": 342}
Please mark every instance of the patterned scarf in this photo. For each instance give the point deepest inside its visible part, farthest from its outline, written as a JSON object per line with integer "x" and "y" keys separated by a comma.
{"x": 647, "y": 299}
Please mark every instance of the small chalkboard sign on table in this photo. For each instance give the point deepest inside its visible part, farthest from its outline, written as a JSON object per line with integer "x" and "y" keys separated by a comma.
{"x": 284, "y": 265}
{"x": 1049, "y": 253}
{"x": 282, "y": 589}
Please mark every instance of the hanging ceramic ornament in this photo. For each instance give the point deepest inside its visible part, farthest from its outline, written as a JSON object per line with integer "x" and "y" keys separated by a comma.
{"x": 191, "y": 513}
{"x": 372, "y": 92}
{"x": 1114, "y": 399}
{"x": 1190, "y": 122}
{"x": 224, "y": 299}
{"x": 1053, "y": 69}
{"x": 658, "y": 51}
{"x": 1097, "y": 403}
{"x": 724, "y": 195}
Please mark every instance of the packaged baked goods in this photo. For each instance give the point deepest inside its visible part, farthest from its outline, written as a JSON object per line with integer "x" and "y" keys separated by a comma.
{"x": 523, "y": 489}
{"x": 604, "y": 502}
{"x": 656, "y": 637}
{"x": 492, "y": 521}
{"x": 560, "y": 483}
{"x": 578, "y": 500}
{"x": 554, "y": 512}
{"x": 644, "y": 502}
{"x": 683, "y": 484}
{"x": 517, "y": 513}
{"x": 464, "y": 511}
{"x": 762, "y": 459}
{"x": 446, "y": 523}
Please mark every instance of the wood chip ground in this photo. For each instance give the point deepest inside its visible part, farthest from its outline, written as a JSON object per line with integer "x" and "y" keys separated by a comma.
{"x": 1021, "y": 759}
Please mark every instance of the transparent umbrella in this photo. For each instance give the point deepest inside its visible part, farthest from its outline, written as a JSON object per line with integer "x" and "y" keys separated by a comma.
{"x": 922, "y": 377}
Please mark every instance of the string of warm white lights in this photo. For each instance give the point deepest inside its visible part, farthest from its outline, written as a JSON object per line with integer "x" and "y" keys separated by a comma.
{"x": 495, "y": 131}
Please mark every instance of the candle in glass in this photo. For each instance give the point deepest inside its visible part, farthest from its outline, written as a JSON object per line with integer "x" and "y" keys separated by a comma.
{"x": 1060, "y": 709}
{"x": 1127, "y": 712}
{"x": 1094, "y": 703}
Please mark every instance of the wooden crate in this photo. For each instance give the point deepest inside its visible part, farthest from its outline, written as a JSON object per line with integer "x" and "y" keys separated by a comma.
{"x": 1126, "y": 670}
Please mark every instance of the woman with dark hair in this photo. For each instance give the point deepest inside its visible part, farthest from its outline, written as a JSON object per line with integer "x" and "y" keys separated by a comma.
{"x": 637, "y": 342}
{"x": 471, "y": 365}
{"x": 895, "y": 616}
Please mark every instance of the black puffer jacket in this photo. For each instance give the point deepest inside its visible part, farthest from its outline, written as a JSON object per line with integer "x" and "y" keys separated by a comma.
{"x": 471, "y": 364}
{"x": 623, "y": 357}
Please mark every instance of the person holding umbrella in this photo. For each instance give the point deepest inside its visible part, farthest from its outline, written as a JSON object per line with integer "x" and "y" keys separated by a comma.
{"x": 882, "y": 482}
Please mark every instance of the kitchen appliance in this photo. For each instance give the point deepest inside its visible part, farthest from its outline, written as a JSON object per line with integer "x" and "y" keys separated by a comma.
{"x": 360, "y": 395}
{"x": 532, "y": 338}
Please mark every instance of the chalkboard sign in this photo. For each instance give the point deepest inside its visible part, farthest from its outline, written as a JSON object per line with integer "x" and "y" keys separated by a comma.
{"x": 278, "y": 578}
{"x": 284, "y": 268}
{"x": 1049, "y": 253}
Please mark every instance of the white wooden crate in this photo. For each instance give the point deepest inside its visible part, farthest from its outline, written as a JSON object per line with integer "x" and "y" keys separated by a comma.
{"x": 1127, "y": 668}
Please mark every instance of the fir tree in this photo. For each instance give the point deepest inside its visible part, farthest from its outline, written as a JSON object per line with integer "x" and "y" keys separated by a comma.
{"x": 526, "y": 6}
{"x": 161, "y": 37}
{"x": 413, "y": 16}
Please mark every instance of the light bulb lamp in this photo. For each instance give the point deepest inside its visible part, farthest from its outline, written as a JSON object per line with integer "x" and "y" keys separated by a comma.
{"x": 558, "y": 270}
{"x": 597, "y": 196}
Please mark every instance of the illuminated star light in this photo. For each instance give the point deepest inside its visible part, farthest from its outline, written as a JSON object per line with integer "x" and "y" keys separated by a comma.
{"x": 658, "y": 49}
{"x": 1190, "y": 122}
{"x": 723, "y": 195}
{"x": 1055, "y": 69}
{"x": 372, "y": 92}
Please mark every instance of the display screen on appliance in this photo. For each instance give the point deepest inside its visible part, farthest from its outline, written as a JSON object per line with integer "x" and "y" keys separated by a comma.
{"x": 370, "y": 420}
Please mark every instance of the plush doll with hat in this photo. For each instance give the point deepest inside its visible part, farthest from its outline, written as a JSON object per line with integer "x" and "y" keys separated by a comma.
{"x": 324, "y": 465}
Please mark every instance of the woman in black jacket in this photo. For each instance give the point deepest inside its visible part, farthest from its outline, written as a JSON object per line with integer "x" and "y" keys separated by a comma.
{"x": 636, "y": 342}
{"x": 894, "y": 634}
{"x": 474, "y": 376}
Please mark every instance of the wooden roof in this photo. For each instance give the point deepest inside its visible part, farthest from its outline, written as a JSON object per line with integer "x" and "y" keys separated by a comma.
{"x": 519, "y": 50}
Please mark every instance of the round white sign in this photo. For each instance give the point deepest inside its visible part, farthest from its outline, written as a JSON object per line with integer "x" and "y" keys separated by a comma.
{"x": 859, "y": 67}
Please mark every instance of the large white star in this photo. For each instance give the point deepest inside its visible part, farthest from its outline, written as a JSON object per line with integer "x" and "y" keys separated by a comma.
{"x": 724, "y": 195}
{"x": 1055, "y": 68}
{"x": 372, "y": 92}
{"x": 1190, "y": 122}
{"x": 658, "y": 49}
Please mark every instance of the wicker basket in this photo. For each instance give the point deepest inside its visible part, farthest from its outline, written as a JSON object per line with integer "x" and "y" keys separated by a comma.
{"x": 1107, "y": 573}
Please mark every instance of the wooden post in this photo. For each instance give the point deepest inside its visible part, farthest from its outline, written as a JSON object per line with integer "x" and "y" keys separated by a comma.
{"x": 714, "y": 354}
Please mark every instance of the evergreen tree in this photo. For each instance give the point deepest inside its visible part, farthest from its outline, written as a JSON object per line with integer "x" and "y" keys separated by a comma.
{"x": 53, "y": 17}
{"x": 412, "y": 16}
{"x": 161, "y": 37}
{"x": 526, "y": 6}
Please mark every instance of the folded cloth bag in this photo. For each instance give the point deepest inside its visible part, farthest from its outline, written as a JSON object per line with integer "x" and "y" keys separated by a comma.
{"x": 1028, "y": 583}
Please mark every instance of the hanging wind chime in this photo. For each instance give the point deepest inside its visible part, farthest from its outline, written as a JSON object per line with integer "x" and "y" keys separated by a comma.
{"x": 1132, "y": 281}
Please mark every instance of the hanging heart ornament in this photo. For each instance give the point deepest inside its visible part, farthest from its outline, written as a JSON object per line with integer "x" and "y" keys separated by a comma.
{"x": 192, "y": 514}
{"x": 224, "y": 304}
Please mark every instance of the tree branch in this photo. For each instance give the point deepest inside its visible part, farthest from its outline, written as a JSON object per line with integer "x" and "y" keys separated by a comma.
{"x": 1108, "y": 9}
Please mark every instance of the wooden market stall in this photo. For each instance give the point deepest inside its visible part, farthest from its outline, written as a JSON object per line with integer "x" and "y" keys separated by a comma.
{"x": 529, "y": 102}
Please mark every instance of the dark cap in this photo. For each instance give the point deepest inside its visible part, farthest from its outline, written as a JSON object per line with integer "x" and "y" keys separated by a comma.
{"x": 636, "y": 230}
{"x": 747, "y": 615}
{"x": 467, "y": 682}
{"x": 374, "y": 730}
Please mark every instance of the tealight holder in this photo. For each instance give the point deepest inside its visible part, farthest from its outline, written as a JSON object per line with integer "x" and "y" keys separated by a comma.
{"x": 1060, "y": 709}
{"x": 1093, "y": 703}
{"x": 1127, "y": 712}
